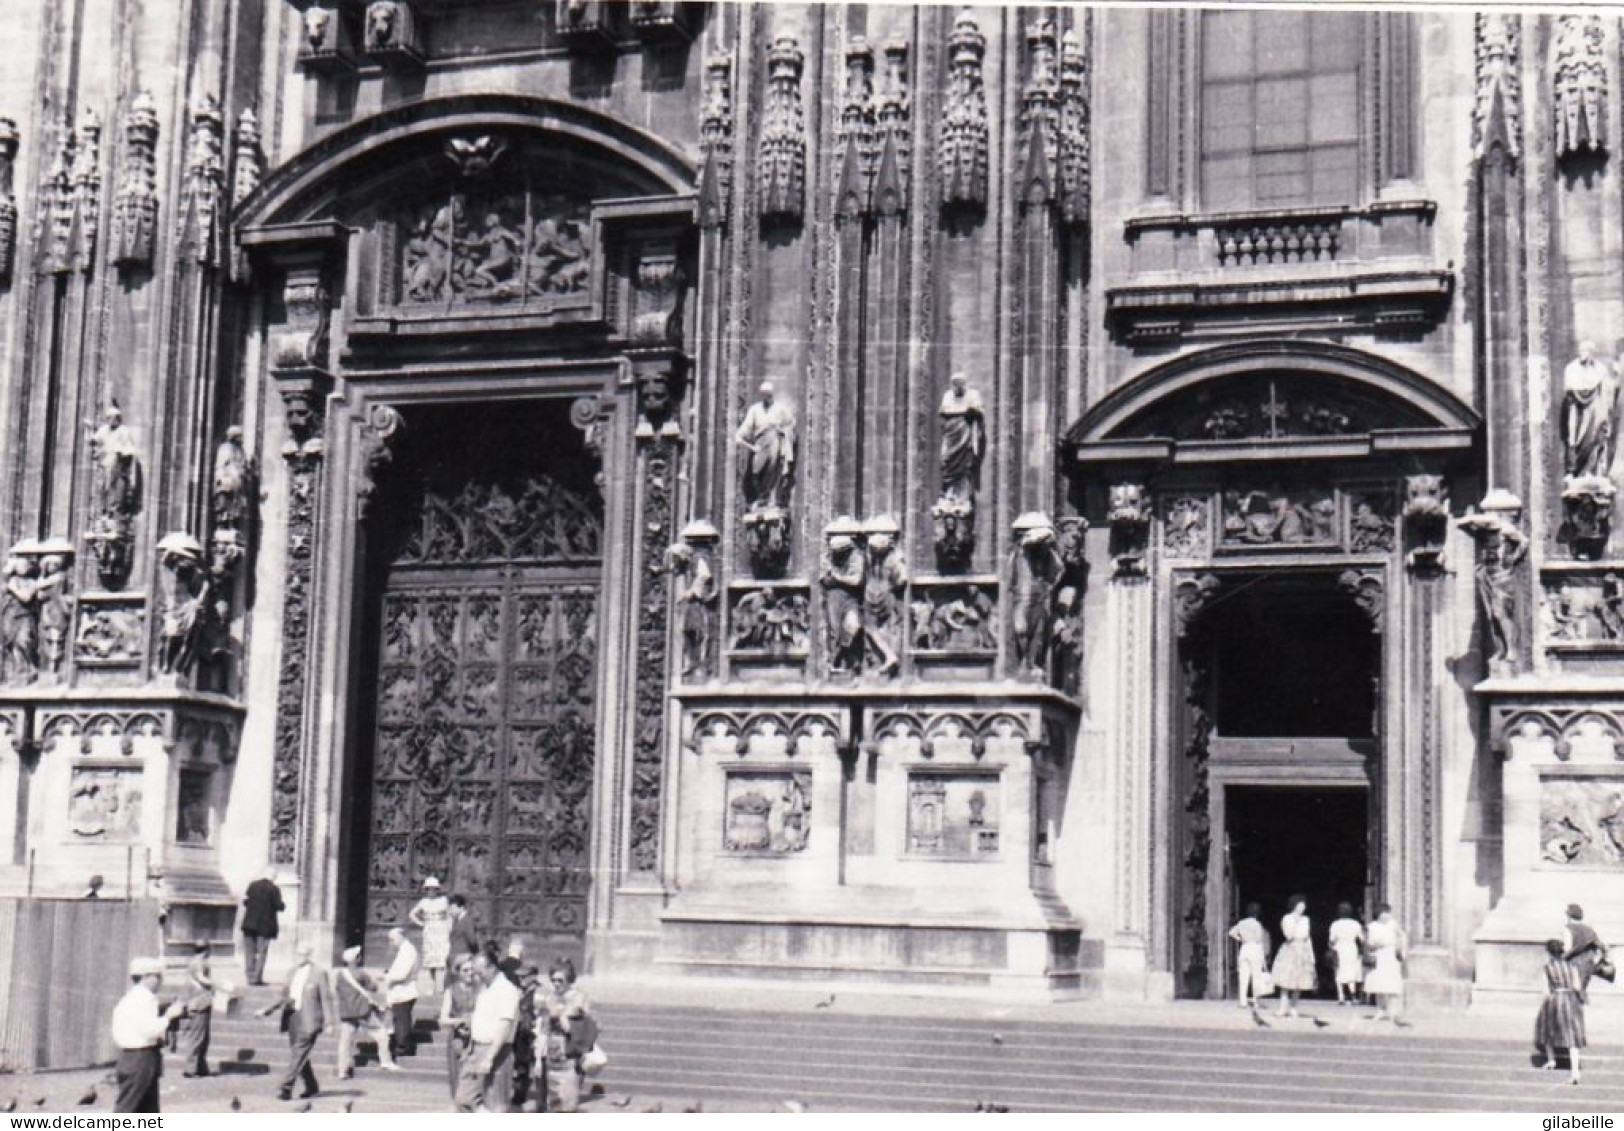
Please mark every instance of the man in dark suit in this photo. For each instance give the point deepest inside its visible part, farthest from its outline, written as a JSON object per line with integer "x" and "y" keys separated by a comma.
{"x": 260, "y": 908}
{"x": 306, "y": 1004}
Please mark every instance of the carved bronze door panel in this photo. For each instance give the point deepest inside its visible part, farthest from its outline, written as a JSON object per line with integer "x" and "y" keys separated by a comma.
{"x": 484, "y": 737}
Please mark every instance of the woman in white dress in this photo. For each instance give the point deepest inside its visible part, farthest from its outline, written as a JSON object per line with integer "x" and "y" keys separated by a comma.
{"x": 1346, "y": 940}
{"x": 432, "y": 913}
{"x": 1385, "y": 979}
{"x": 1294, "y": 965}
{"x": 1253, "y": 961}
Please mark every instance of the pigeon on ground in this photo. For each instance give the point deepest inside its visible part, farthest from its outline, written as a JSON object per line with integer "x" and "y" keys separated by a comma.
{"x": 1401, "y": 1024}
{"x": 39, "y": 1101}
{"x": 1257, "y": 1019}
{"x": 89, "y": 1097}
{"x": 795, "y": 1106}
{"x": 11, "y": 1105}
{"x": 694, "y": 1108}
{"x": 997, "y": 1038}
{"x": 989, "y": 1107}
{"x": 349, "y": 1106}
{"x": 304, "y": 1107}
{"x": 825, "y": 1003}
{"x": 1318, "y": 1024}
{"x": 236, "y": 1104}
{"x": 623, "y": 1101}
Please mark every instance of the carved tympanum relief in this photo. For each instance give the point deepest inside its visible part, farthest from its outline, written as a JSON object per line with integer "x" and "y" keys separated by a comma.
{"x": 521, "y": 248}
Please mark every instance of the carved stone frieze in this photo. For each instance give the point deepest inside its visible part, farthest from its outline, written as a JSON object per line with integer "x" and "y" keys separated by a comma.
{"x": 1497, "y": 115}
{"x": 1039, "y": 144}
{"x": 1587, "y": 509}
{"x": 390, "y": 35}
{"x": 1584, "y": 609}
{"x": 658, "y": 473}
{"x": 1501, "y": 548}
{"x": 774, "y": 620}
{"x": 783, "y": 134}
{"x": 1187, "y": 526}
{"x": 110, "y": 633}
{"x": 1572, "y": 731}
{"x": 961, "y": 153}
{"x": 495, "y": 248}
{"x": 695, "y": 597}
{"x": 716, "y": 143}
{"x": 203, "y": 185}
{"x": 135, "y": 208}
{"x": 1291, "y": 516}
{"x": 956, "y": 617}
{"x": 1129, "y": 517}
{"x": 1578, "y": 84}
{"x": 1426, "y": 521}
{"x": 116, "y": 490}
{"x": 8, "y": 197}
{"x": 770, "y": 732}
{"x": 247, "y": 158}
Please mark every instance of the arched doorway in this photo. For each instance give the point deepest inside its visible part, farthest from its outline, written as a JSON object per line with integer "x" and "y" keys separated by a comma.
{"x": 1277, "y": 511}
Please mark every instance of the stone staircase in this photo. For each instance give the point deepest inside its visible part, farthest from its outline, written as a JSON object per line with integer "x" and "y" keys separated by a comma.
{"x": 843, "y": 1058}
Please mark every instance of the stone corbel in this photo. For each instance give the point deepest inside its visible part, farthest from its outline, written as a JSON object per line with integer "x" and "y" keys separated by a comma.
{"x": 382, "y": 427}
{"x": 1587, "y": 506}
{"x": 590, "y": 25}
{"x": 307, "y": 256}
{"x": 659, "y": 290}
{"x": 1129, "y": 516}
{"x": 659, "y": 22}
{"x": 390, "y": 36}
{"x": 1426, "y": 522}
{"x": 325, "y": 44}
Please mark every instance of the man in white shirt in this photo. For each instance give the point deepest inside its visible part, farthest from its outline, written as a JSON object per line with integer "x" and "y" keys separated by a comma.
{"x": 400, "y": 991}
{"x": 490, "y": 1032}
{"x": 139, "y": 1028}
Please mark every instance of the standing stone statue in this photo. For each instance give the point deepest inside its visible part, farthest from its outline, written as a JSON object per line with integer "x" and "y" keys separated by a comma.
{"x": 19, "y": 618}
{"x": 1589, "y": 400}
{"x": 964, "y": 439}
{"x": 1038, "y": 569}
{"x": 696, "y": 593}
{"x": 116, "y": 487}
{"x": 843, "y": 575}
{"x": 1501, "y": 548}
{"x": 884, "y": 585}
{"x": 768, "y": 435}
{"x": 233, "y": 481}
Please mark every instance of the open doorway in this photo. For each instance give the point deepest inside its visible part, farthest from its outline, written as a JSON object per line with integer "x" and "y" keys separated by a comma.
{"x": 1289, "y": 840}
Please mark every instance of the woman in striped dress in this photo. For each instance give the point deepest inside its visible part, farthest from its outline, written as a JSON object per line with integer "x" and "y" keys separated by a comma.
{"x": 1561, "y": 1020}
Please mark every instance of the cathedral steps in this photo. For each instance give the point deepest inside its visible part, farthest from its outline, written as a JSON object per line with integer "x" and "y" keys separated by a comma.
{"x": 837, "y": 1059}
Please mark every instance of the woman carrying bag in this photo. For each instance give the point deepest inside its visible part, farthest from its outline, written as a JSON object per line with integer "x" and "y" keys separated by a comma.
{"x": 565, "y": 1034}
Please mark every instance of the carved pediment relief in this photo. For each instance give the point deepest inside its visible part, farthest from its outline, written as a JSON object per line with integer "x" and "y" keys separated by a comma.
{"x": 1270, "y": 406}
{"x": 493, "y": 247}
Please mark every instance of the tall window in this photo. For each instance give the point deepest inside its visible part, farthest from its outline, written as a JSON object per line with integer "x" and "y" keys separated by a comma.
{"x": 1280, "y": 108}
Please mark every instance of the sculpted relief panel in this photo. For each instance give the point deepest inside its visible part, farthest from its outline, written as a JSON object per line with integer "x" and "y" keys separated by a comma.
{"x": 1581, "y": 822}
{"x": 522, "y": 248}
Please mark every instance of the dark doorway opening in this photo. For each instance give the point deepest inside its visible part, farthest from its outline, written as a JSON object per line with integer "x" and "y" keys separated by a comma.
{"x": 1288, "y": 840}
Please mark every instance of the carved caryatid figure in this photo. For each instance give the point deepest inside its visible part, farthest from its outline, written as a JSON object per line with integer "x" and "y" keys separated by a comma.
{"x": 186, "y": 610}
{"x": 55, "y": 606}
{"x": 19, "y": 618}
{"x": 884, "y": 583}
{"x": 1589, "y": 399}
{"x": 964, "y": 439}
{"x": 1501, "y": 548}
{"x": 1038, "y": 569}
{"x": 116, "y": 486}
{"x": 843, "y": 576}
{"x": 1580, "y": 84}
{"x": 768, "y": 436}
{"x": 695, "y": 596}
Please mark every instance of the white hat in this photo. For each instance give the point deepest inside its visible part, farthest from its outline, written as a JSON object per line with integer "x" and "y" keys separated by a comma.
{"x": 352, "y": 953}
{"x": 141, "y": 967}
{"x": 431, "y": 882}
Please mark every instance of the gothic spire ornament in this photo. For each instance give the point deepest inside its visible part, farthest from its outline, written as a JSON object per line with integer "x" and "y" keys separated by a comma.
{"x": 783, "y": 134}
{"x": 203, "y": 186}
{"x": 1579, "y": 85}
{"x": 1040, "y": 110}
{"x": 1074, "y": 125}
{"x": 1497, "y": 117}
{"x": 246, "y": 160}
{"x": 716, "y": 143}
{"x": 889, "y": 195}
{"x": 961, "y": 153}
{"x": 854, "y": 136}
{"x": 87, "y": 185}
{"x": 135, "y": 209}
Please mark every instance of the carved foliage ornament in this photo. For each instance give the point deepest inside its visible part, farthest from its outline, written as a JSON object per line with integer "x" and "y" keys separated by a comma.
{"x": 135, "y": 209}
{"x": 1579, "y": 84}
{"x": 659, "y": 467}
{"x": 783, "y": 134}
{"x": 961, "y": 153}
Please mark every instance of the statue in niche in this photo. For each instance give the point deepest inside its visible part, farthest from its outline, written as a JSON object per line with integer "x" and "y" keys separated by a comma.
{"x": 964, "y": 439}
{"x": 185, "y": 615}
{"x": 1501, "y": 548}
{"x": 843, "y": 577}
{"x": 767, "y": 433}
{"x": 116, "y": 485}
{"x": 19, "y": 619}
{"x": 884, "y": 582}
{"x": 232, "y": 491}
{"x": 1589, "y": 400}
{"x": 1037, "y": 571}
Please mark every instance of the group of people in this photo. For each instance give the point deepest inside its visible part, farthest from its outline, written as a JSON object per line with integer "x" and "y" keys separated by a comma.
{"x": 1571, "y": 961}
{"x": 1362, "y": 957}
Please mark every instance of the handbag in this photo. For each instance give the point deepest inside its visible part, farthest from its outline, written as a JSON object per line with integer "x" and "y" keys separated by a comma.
{"x": 1605, "y": 970}
{"x": 1263, "y": 983}
{"x": 593, "y": 1060}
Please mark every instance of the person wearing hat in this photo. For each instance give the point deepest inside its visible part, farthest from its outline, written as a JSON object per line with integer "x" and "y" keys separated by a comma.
{"x": 196, "y": 1021}
{"x": 306, "y": 1004}
{"x": 400, "y": 990}
{"x": 139, "y": 1028}
{"x": 359, "y": 1013}
{"x": 261, "y": 904}
{"x": 1584, "y": 948}
{"x": 432, "y": 913}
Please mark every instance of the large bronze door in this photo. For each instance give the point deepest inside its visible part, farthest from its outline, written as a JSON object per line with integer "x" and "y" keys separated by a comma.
{"x": 483, "y": 731}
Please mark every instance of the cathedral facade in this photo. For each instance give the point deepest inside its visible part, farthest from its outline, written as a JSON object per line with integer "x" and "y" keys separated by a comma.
{"x": 907, "y": 495}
